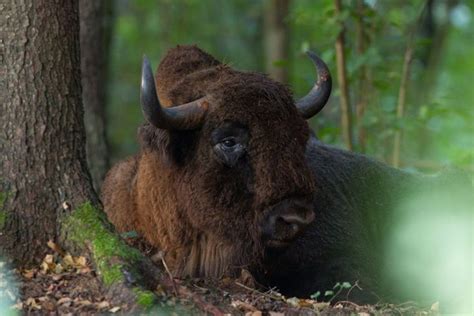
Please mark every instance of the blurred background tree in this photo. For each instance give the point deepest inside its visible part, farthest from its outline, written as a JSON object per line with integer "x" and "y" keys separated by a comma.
{"x": 409, "y": 67}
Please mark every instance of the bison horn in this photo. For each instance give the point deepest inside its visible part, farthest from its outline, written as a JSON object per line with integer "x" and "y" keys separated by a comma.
{"x": 181, "y": 117}
{"x": 314, "y": 101}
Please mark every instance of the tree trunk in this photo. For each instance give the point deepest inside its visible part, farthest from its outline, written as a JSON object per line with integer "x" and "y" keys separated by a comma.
{"x": 42, "y": 129}
{"x": 45, "y": 182}
{"x": 346, "y": 110}
{"x": 276, "y": 39}
{"x": 363, "y": 78}
{"x": 96, "y": 23}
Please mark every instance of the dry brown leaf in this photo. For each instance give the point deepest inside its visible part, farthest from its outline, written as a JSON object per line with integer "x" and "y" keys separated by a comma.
{"x": 293, "y": 301}
{"x": 80, "y": 262}
{"x": 18, "y": 306}
{"x": 57, "y": 277}
{"x": 68, "y": 261}
{"x": 243, "y": 306}
{"x": 84, "y": 302}
{"x": 256, "y": 313}
{"x": 64, "y": 300}
{"x": 102, "y": 305}
{"x": 320, "y": 305}
{"x": 29, "y": 274}
{"x": 114, "y": 309}
{"x": 58, "y": 268}
{"x": 44, "y": 267}
{"x": 52, "y": 245}
{"x": 49, "y": 259}
{"x": 48, "y": 305}
{"x": 276, "y": 314}
{"x": 30, "y": 301}
{"x": 306, "y": 303}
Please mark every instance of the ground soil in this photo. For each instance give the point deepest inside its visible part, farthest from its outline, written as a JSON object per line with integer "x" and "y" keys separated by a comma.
{"x": 70, "y": 285}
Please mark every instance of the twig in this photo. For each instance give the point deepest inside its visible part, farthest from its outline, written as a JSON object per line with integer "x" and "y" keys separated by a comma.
{"x": 161, "y": 256}
{"x": 356, "y": 285}
{"x": 258, "y": 292}
{"x": 348, "y": 302}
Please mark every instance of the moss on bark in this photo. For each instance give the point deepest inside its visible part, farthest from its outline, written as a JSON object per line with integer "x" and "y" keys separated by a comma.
{"x": 3, "y": 214}
{"x": 116, "y": 263}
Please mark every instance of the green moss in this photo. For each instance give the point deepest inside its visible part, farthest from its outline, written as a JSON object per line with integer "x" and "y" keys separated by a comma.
{"x": 3, "y": 213}
{"x": 145, "y": 299}
{"x": 89, "y": 225}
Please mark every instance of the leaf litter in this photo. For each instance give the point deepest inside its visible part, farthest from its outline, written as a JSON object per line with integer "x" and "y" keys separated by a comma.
{"x": 66, "y": 284}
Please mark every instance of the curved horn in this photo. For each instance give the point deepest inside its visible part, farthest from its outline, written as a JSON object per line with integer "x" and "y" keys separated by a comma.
{"x": 182, "y": 117}
{"x": 314, "y": 101}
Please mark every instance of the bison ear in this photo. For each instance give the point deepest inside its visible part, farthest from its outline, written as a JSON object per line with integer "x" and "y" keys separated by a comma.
{"x": 178, "y": 63}
{"x": 173, "y": 147}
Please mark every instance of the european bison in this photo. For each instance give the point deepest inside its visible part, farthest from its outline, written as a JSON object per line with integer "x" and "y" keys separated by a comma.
{"x": 230, "y": 176}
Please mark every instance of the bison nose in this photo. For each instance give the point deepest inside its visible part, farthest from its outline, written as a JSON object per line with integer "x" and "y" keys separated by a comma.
{"x": 284, "y": 222}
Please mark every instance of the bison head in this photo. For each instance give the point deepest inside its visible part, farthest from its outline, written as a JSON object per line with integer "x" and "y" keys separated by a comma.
{"x": 228, "y": 150}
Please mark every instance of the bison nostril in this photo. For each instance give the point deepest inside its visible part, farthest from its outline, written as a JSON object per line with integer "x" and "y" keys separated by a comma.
{"x": 280, "y": 230}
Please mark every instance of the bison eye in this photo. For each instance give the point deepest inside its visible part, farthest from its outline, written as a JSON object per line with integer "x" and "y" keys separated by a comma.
{"x": 229, "y": 150}
{"x": 229, "y": 142}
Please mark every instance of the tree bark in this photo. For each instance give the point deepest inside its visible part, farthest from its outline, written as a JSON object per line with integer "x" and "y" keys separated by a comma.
{"x": 276, "y": 39}
{"x": 45, "y": 183}
{"x": 95, "y": 28}
{"x": 346, "y": 110}
{"x": 43, "y": 163}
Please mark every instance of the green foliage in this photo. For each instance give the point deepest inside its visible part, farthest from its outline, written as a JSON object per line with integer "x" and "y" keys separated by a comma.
{"x": 329, "y": 295}
{"x": 146, "y": 299}
{"x": 438, "y": 122}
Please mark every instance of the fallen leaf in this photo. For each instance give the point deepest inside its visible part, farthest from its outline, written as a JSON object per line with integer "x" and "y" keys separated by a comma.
{"x": 256, "y": 313}
{"x": 80, "y": 262}
{"x": 30, "y": 301}
{"x": 29, "y": 274}
{"x": 57, "y": 277}
{"x": 48, "y": 305}
{"x": 293, "y": 301}
{"x": 64, "y": 300}
{"x": 84, "y": 302}
{"x": 18, "y": 305}
{"x": 114, "y": 309}
{"x": 102, "y": 305}
{"x": 58, "y": 268}
{"x": 320, "y": 305}
{"x": 68, "y": 261}
{"x": 49, "y": 259}
{"x": 276, "y": 314}
{"x": 52, "y": 245}
{"x": 243, "y": 306}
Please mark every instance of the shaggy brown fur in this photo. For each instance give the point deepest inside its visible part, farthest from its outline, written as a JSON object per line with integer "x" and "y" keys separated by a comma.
{"x": 204, "y": 215}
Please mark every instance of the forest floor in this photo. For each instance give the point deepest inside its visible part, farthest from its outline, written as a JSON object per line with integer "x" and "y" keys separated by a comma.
{"x": 64, "y": 284}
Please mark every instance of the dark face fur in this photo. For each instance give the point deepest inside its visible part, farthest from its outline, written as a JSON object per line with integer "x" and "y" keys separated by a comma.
{"x": 241, "y": 180}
